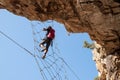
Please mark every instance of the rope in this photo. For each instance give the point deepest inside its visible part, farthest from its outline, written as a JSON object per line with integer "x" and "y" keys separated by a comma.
{"x": 52, "y": 61}
{"x": 43, "y": 78}
{"x": 53, "y": 67}
{"x": 33, "y": 55}
{"x": 67, "y": 65}
{"x": 47, "y": 65}
{"x": 70, "y": 69}
{"x": 17, "y": 43}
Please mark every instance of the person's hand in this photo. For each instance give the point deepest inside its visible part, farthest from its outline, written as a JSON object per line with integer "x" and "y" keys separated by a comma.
{"x": 44, "y": 29}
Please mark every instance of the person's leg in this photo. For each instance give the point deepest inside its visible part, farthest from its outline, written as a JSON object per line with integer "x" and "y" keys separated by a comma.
{"x": 47, "y": 46}
{"x": 43, "y": 42}
{"x": 48, "y": 43}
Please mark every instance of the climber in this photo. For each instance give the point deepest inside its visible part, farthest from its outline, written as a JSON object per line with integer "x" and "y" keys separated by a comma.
{"x": 47, "y": 40}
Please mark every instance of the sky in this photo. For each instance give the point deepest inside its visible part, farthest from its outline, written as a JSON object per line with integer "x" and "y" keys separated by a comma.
{"x": 17, "y": 64}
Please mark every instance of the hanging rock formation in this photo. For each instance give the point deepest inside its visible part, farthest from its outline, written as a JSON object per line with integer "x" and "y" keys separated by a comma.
{"x": 99, "y": 18}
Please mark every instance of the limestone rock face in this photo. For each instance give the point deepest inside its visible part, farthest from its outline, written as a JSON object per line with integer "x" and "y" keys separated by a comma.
{"x": 100, "y": 60}
{"x": 107, "y": 66}
{"x": 99, "y": 18}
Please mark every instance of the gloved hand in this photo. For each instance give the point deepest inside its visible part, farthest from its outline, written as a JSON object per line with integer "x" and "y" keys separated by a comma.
{"x": 44, "y": 29}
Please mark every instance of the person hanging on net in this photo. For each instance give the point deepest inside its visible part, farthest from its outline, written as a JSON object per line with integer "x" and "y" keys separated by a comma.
{"x": 47, "y": 40}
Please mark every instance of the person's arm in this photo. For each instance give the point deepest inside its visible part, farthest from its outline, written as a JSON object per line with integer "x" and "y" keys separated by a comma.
{"x": 45, "y": 29}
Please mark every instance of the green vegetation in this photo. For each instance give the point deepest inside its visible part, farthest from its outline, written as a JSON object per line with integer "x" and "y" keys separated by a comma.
{"x": 88, "y": 45}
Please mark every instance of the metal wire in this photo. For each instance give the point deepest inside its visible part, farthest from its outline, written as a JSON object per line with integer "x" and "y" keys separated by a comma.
{"x": 53, "y": 62}
{"x": 53, "y": 67}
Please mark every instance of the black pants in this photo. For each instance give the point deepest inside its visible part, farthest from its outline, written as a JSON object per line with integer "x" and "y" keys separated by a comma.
{"x": 47, "y": 41}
